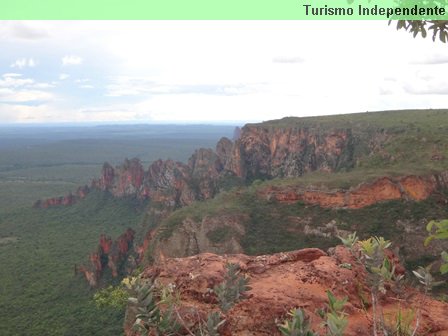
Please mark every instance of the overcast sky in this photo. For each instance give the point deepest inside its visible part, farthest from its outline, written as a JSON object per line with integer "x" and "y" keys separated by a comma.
{"x": 158, "y": 71}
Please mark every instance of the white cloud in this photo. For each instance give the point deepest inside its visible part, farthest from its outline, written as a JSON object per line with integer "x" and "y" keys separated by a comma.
{"x": 63, "y": 76}
{"x": 24, "y": 96}
{"x": 22, "y": 30}
{"x": 86, "y": 86}
{"x": 23, "y": 63}
{"x": 11, "y": 74}
{"x": 288, "y": 59}
{"x": 43, "y": 86}
{"x": 199, "y": 70}
{"x": 15, "y": 81}
{"x": 71, "y": 60}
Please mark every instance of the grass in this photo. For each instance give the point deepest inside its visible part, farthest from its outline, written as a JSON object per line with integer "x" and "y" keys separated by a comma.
{"x": 397, "y": 121}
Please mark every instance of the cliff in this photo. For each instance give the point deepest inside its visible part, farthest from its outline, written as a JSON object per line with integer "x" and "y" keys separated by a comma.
{"x": 115, "y": 256}
{"x": 411, "y": 188}
{"x": 398, "y": 143}
{"x": 283, "y": 281}
{"x": 390, "y": 143}
{"x": 257, "y": 152}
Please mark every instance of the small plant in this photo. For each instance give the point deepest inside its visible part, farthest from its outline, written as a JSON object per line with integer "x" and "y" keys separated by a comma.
{"x": 214, "y": 321}
{"x": 111, "y": 296}
{"x": 380, "y": 270}
{"x": 232, "y": 289}
{"x": 401, "y": 324}
{"x": 441, "y": 232}
{"x": 426, "y": 279}
{"x": 350, "y": 241}
{"x": 373, "y": 245}
{"x": 297, "y": 325}
{"x": 149, "y": 316}
{"x": 444, "y": 266}
{"x": 168, "y": 294}
{"x": 209, "y": 327}
{"x": 335, "y": 318}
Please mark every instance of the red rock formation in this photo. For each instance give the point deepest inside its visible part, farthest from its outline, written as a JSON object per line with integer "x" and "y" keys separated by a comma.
{"x": 67, "y": 200}
{"x": 416, "y": 188}
{"x": 105, "y": 244}
{"x": 109, "y": 254}
{"x": 284, "y": 281}
{"x": 383, "y": 189}
{"x": 285, "y": 152}
{"x": 124, "y": 242}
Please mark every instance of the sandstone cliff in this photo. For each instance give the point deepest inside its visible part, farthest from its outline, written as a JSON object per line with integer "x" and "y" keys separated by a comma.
{"x": 115, "y": 256}
{"x": 257, "y": 152}
{"x": 411, "y": 187}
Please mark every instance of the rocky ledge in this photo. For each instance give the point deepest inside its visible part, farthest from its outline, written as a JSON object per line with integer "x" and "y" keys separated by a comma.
{"x": 289, "y": 280}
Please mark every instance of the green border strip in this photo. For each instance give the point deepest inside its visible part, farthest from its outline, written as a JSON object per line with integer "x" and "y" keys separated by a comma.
{"x": 218, "y": 9}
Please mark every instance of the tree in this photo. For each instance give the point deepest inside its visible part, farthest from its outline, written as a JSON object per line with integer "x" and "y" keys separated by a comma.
{"x": 421, "y": 27}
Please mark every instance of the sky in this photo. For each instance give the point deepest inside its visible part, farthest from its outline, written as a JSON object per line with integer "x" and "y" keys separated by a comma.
{"x": 214, "y": 71}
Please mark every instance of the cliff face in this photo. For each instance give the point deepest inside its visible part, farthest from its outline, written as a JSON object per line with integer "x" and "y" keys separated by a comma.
{"x": 114, "y": 255}
{"x": 220, "y": 234}
{"x": 414, "y": 188}
{"x": 258, "y": 152}
{"x": 264, "y": 152}
{"x": 284, "y": 281}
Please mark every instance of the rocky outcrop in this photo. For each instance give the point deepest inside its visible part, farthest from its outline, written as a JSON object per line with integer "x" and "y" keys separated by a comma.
{"x": 257, "y": 152}
{"x": 284, "y": 281}
{"x": 67, "y": 200}
{"x": 415, "y": 188}
{"x": 267, "y": 152}
{"x": 109, "y": 254}
{"x": 220, "y": 234}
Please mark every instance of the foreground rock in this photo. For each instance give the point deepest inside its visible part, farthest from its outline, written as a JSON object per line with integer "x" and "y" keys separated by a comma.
{"x": 288, "y": 280}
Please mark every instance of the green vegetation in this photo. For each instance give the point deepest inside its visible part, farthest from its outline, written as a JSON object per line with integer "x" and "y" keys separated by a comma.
{"x": 335, "y": 317}
{"x": 232, "y": 289}
{"x": 38, "y": 289}
{"x": 39, "y": 292}
{"x": 44, "y": 162}
{"x": 271, "y": 226}
{"x": 116, "y": 297}
{"x": 220, "y": 235}
{"x": 441, "y": 232}
{"x": 297, "y": 325}
{"x": 149, "y": 316}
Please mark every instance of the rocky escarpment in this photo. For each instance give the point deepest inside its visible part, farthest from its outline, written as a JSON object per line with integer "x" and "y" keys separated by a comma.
{"x": 265, "y": 152}
{"x": 280, "y": 282}
{"x": 257, "y": 152}
{"x": 69, "y": 199}
{"x": 115, "y": 256}
{"x": 413, "y": 188}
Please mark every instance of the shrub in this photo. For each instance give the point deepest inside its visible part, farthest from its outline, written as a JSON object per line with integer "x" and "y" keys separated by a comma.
{"x": 232, "y": 289}
{"x": 297, "y": 325}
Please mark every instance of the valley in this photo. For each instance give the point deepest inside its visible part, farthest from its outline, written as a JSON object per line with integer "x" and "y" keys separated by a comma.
{"x": 39, "y": 291}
